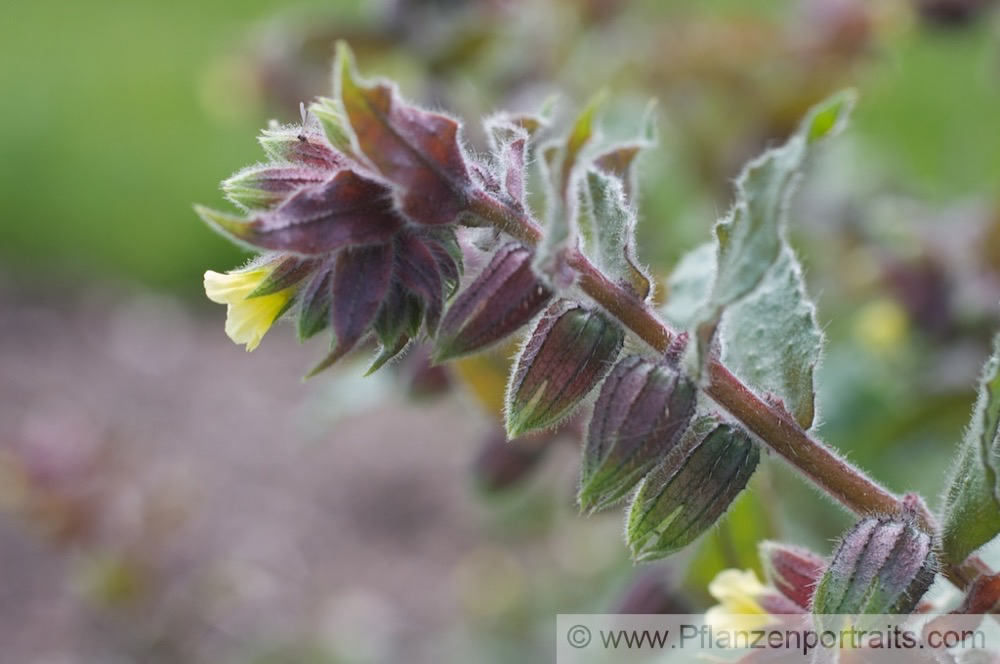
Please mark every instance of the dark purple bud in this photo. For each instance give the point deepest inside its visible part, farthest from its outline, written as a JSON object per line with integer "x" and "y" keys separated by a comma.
{"x": 346, "y": 210}
{"x": 651, "y": 593}
{"x": 503, "y": 298}
{"x": 418, "y": 151}
{"x": 642, "y": 411}
{"x": 792, "y": 570}
{"x": 570, "y": 350}
{"x": 691, "y": 489}
{"x": 883, "y": 565}
{"x": 263, "y": 187}
{"x": 501, "y": 464}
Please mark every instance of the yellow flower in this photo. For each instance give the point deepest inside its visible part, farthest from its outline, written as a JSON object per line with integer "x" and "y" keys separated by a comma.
{"x": 738, "y": 608}
{"x": 882, "y": 326}
{"x": 247, "y": 318}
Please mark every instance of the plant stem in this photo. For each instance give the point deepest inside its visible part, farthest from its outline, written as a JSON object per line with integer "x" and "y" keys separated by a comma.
{"x": 769, "y": 421}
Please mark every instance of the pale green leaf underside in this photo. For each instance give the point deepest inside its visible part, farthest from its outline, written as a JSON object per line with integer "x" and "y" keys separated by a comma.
{"x": 689, "y": 286}
{"x": 750, "y": 237}
{"x": 972, "y": 505}
{"x": 753, "y": 282}
{"x": 771, "y": 338}
{"x": 611, "y": 241}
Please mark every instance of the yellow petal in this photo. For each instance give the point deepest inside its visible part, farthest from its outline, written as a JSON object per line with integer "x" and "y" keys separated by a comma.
{"x": 247, "y": 318}
{"x": 233, "y": 286}
{"x": 738, "y": 608}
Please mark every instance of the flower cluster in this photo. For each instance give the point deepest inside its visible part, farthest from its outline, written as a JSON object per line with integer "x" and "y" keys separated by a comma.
{"x": 358, "y": 232}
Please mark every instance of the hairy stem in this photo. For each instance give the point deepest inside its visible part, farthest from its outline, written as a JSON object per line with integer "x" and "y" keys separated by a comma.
{"x": 769, "y": 421}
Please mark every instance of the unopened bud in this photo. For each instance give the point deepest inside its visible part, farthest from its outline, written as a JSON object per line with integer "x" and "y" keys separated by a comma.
{"x": 792, "y": 570}
{"x": 883, "y": 565}
{"x": 263, "y": 187}
{"x": 570, "y": 350}
{"x": 502, "y": 464}
{"x": 642, "y": 410}
{"x": 691, "y": 489}
{"x": 504, "y": 297}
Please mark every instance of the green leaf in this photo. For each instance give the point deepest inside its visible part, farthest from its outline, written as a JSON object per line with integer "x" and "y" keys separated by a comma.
{"x": 772, "y": 339}
{"x": 613, "y": 233}
{"x": 559, "y": 162}
{"x": 750, "y": 238}
{"x": 689, "y": 286}
{"x": 333, "y": 119}
{"x": 619, "y": 160}
{"x": 751, "y": 235}
{"x": 972, "y": 505}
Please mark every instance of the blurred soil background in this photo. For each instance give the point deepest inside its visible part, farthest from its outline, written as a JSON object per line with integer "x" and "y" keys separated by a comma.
{"x": 166, "y": 497}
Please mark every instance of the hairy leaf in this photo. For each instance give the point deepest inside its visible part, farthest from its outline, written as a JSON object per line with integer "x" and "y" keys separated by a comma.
{"x": 613, "y": 234}
{"x": 689, "y": 286}
{"x": 345, "y": 210}
{"x": 619, "y": 160}
{"x": 314, "y": 305}
{"x": 559, "y": 164}
{"x": 417, "y": 269}
{"x": 289, "y": 271}
{"x": 361, "y": 279}
{"x": 418, "y": 151}
{"x": 331, "y": 116}
{"x": 303, "y": 145}
{"x": 772, "y": 339}
{"x": 971, "y": 516}
{"x": 749, "y": 239}
{"x": 264, "y": 186}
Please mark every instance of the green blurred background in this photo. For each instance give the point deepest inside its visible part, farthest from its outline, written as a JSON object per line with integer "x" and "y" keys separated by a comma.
{"x": 266, "y": 523}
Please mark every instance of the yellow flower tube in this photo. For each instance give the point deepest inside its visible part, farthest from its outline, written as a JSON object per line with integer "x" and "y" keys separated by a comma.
{"x": 247, "y": 318}
{"x": 738, "y": 609}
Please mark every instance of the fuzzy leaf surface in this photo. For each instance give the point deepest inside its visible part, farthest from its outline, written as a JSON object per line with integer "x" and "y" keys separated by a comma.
{"x": 613, "y": 233}
{"x": 772, "y": 340}
{"x": 971, "y": 516}
{"x": 347, "y": 209}
{"x": 417, "y": 150}
{"x": 751, "y": 237}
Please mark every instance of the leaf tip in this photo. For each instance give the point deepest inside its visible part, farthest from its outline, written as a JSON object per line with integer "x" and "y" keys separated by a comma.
{"x": 830, "y": 116}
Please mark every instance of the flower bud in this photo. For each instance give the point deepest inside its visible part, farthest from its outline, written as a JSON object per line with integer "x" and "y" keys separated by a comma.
{"x": 505, "y": 296}
{"x": 792, "y": 570}
{"x": 642, "y": 410}
{"x": 302, "y": 145}
{"x": 501, "y": 464}
{"x": 691, "y": 489}
{"x": 263, "y": 187}
{"x": 651, "y": 592}
{"x": 571, "y": 349}
{"x": 883, "y": 565}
